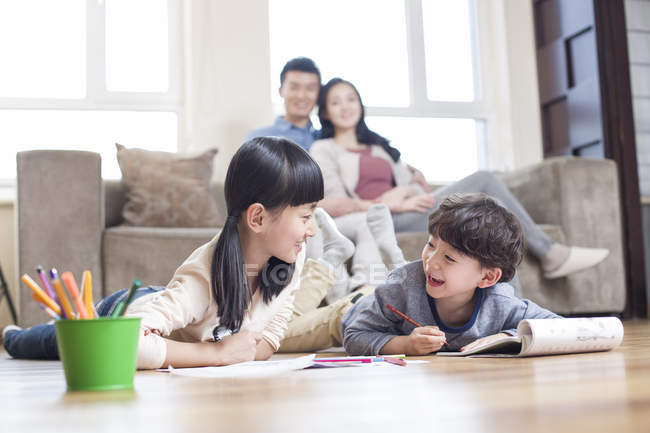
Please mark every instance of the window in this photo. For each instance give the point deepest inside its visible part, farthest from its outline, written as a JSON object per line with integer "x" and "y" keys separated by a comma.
{"x": 85, "y": 74}
{"x": 415, "y": 63}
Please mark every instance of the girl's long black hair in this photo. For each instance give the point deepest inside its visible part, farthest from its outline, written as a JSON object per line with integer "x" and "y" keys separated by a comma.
{"x": 364, "y": 134}
{"x": 276, "y": 173}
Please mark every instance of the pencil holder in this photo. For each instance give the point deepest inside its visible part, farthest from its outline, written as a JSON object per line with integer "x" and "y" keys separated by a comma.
{"x": 98, "y": 354}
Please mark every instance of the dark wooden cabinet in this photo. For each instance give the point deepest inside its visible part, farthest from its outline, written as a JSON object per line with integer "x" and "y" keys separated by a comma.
{"x": 586, "y": 106}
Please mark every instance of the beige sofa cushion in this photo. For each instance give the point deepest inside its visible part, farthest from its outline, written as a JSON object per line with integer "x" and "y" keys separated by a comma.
{"x": 168, "y": 189}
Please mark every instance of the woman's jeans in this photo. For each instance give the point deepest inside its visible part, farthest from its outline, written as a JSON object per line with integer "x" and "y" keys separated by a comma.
{"x": 537, "y": 241}
{"x": 39, "y": 342}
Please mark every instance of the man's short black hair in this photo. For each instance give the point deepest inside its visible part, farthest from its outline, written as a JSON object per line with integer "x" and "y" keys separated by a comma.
{"x": 478, "y": 227}
{"x": 302, "y": 64}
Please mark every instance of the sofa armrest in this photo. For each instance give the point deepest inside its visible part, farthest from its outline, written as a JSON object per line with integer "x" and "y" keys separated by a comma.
{"x": 581, "y": 196}
{"x": 60, "y": 218}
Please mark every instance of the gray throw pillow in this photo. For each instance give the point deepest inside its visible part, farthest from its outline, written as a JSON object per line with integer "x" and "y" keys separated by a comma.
{"x": 168, "y": 189}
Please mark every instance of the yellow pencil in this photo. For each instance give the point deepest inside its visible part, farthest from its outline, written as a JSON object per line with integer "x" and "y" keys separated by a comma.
{"x": 47, "y": 310}
{"x": 60, "y": 292}
{"x": 87, "y": 287}
{"x": 40, "y": 294}
{"x": 73, "y": 289}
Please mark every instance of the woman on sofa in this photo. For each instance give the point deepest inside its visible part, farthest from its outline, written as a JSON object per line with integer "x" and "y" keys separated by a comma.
{"x": 361, "y": 168}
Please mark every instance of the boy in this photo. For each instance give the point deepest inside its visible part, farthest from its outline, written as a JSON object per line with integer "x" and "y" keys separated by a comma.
{"x": 458, "y": 292}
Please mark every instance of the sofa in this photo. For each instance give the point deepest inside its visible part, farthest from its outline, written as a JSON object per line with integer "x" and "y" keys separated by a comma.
{"x": 70, "y": 218}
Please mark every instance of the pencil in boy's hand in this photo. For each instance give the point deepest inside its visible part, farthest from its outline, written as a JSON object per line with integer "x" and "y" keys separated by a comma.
{"x": 122, "y": 306}
{"x": 73, "y": 289}
{"x": 403, "y": 316}
{"x": 408, "y": 319}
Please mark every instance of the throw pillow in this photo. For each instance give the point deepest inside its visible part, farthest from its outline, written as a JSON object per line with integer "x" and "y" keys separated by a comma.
{"x": 168, "y": 189}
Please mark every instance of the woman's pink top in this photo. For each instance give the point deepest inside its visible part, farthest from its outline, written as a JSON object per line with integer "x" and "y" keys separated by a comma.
{"x": 375, "y": 175}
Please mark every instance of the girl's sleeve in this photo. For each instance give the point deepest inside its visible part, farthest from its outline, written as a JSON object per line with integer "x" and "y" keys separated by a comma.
{"x": 274, "y": 330}
{"x": 184, "y": 301}
{"x": 324, "y": 157}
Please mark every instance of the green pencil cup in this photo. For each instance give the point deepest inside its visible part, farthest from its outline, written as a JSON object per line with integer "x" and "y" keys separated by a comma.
{"x": 98, "y": 354}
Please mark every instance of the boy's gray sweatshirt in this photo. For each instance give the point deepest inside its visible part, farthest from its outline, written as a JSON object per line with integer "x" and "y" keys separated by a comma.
{"x": 369, "y": 325}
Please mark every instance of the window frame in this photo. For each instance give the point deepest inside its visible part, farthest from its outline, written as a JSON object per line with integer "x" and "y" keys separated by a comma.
{"x": 420, "y": 106}
{"x": 98, "y": 98}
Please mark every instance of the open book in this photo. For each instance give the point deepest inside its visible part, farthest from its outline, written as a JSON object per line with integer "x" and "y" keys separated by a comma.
{"x": 553, "y": 336}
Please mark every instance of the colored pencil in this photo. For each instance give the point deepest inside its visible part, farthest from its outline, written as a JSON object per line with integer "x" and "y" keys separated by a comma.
{"x": 60, "y": 292}
{"x": 47, "y": 310}
{"x": 87, "y": 288}
{"x": 73, "y": 289}
{"x": 48, "y": 288}
{"x": 123, "y": 305}
{"x": 40, "y": 294}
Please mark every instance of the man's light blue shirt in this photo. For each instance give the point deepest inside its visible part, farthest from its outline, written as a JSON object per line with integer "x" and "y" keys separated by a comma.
{"x": 303, "y": 137}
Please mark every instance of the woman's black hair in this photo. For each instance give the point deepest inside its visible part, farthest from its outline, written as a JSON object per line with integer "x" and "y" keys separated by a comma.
{"x": 276, "y": 173}
{"x": 364, "y": 134}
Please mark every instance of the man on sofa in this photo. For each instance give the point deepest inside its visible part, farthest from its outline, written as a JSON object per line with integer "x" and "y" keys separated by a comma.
{"x": 299, "y": 88}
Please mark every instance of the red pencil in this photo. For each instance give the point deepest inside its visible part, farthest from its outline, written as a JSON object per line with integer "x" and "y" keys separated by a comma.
{"x": 407, "y": 318}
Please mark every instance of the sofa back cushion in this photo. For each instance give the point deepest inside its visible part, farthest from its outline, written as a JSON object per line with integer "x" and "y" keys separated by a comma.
{"x": 168, "y": 189}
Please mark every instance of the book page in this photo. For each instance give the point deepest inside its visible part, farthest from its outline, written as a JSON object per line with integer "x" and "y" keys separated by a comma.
{"x": 573, "y": 335}
{"x": 506, "y": 346}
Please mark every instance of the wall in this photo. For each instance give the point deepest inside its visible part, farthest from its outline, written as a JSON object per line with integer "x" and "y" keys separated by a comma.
{"x": 226, "y": 75}
{"x": 515, "y": 134}
{"x": 8, "y": 258}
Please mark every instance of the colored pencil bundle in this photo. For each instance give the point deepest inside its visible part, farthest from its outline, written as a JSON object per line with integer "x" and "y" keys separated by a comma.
{"x": 54, "y": 297}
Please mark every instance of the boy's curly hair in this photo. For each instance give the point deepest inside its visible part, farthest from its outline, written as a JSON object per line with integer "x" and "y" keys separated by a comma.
{"x": 478, "y": 227}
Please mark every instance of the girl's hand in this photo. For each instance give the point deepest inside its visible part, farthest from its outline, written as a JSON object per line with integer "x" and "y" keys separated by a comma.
{"x": 239, "y": 347}
{"x": 484, "y": 340}
{"x": 425, "y": 340}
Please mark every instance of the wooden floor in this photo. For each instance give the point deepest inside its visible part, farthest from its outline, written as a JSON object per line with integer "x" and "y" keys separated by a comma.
{"x": 602, "y": 392}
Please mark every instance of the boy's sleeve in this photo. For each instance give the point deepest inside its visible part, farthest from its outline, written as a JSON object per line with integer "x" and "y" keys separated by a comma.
{"x": 525, "y": 309}
{"x": 368, "y": 327}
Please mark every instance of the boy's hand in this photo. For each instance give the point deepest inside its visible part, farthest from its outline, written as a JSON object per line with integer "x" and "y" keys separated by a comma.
{"x": 425, "y": 340}
{"x": 484, "y": 340}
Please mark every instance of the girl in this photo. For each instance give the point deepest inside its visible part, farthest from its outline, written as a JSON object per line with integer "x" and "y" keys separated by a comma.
{"x": 360, "y": 168}
{"x": 231, "y": 300}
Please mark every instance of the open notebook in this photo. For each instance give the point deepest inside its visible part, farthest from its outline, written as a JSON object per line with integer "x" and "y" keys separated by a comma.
{"x": 553, "y": 336}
